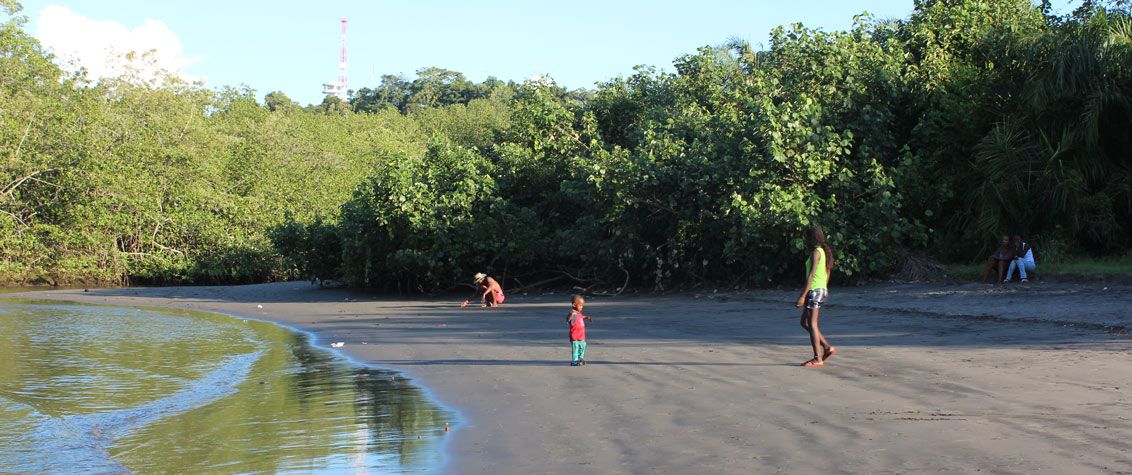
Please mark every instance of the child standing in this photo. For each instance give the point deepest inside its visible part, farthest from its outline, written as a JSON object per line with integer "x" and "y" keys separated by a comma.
{"x": 577, "y": 323}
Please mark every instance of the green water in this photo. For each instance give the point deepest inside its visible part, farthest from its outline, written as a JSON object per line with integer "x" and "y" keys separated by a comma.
{"x": 115, "y": 390}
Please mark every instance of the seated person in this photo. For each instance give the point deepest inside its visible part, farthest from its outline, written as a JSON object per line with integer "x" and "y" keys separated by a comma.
{"x": 1023, "y": 259}
{"x": 1000, "y": 259}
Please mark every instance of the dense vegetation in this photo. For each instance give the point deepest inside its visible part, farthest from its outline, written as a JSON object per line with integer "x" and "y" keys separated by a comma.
{"x": 931, "y": 134}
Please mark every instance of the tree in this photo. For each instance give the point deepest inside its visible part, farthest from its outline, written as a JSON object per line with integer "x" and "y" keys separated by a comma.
{"x": 332, "y": 105}
{"x": 279, "y": 102}
{"x": 393, "y": 92}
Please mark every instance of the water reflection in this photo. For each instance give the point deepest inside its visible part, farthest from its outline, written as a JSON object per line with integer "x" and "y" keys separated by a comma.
{"x": 105, "y": 389}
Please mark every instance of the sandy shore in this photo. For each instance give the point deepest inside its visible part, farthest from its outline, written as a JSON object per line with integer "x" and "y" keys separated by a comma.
{"x": 928, "y": 378}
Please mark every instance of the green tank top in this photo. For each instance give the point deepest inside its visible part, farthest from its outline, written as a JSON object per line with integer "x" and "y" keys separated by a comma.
{"x": 821, "y": 277}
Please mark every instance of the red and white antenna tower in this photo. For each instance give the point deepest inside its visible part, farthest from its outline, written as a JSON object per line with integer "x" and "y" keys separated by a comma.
{"x": 340, "y": 89}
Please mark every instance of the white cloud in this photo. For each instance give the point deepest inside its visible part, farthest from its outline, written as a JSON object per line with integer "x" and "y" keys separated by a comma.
{"x": 100, "y": 45}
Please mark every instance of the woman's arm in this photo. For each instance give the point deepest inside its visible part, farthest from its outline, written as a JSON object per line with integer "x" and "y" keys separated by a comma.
{"x": 469, "y": 299}
{"x": 815, "y": 262}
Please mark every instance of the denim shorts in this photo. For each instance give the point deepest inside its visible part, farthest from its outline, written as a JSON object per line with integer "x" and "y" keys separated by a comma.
{"x": 815, "y": 298}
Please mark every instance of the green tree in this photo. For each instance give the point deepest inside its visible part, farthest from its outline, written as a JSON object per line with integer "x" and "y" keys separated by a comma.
{"x": 279, "y": 102}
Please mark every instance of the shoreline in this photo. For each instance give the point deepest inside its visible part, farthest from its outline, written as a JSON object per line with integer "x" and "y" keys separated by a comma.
{"x": 709, "y": 382}
{"x": 312, "y": 393}
{"x": 457, "y": 420}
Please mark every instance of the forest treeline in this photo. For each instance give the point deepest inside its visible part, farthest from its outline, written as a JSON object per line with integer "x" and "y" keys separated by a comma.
{"x": 930, "y": 135}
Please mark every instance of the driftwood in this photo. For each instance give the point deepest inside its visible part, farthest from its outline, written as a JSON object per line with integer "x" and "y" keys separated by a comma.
{"x": 584, "y": 287}
{"x": 536, "y": 284}
{"x": 620, "y": 290}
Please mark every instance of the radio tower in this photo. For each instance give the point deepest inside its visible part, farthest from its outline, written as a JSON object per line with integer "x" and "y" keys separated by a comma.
{"x": 341, "y": 88}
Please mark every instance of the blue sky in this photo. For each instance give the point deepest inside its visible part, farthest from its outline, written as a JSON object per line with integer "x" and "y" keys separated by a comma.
{"x": 292, "y": 46}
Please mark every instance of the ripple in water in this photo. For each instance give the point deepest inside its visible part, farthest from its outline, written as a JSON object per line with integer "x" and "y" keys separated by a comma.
{"x": 114, "y": 390}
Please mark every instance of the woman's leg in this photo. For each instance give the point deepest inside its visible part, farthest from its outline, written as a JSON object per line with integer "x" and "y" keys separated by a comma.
{"x": 809, "y": 318}
{"x": 1010, "y": 270}
{"x": 1001, "y": 270}
{"x": 1025, "y": 266}
{"x": 991, "y": 261}
{"x": 816, "y": 338}
{"x": 824, "y": 343}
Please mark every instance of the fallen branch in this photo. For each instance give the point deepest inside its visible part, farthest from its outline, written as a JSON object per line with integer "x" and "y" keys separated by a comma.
{"x": 536, "y": 284}
{"x": 622, "y": 289}
{"x": 450, "y": 288}
{"x": 625, "y": 284}
{"x": 737, "y": 280}
{"x": 567, "y": 274}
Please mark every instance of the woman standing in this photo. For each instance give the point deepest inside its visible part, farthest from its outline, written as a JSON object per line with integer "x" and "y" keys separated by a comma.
{"x": 818, "y": 267}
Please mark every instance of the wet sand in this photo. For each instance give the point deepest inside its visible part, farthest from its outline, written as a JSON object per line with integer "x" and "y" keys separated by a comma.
{"x": 927, "y": 378}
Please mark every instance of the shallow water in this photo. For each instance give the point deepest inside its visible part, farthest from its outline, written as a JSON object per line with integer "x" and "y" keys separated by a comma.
{"x": 114, "y": 390}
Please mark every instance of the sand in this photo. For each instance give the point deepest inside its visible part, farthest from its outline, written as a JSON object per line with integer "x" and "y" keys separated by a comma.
{"x": 927, "y": 378}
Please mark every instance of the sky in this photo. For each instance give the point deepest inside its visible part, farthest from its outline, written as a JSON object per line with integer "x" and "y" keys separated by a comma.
{"x": 292, "y": 46}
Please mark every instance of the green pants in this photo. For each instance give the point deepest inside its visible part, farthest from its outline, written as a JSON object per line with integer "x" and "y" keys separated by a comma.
{"x": 579, "y": 349}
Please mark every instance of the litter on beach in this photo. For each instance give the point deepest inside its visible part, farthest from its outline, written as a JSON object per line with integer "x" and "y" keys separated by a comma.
{"x": 338, "y": 344}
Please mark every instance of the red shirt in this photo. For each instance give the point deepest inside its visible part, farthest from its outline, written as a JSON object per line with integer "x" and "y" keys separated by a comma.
{"x": 577, "y": 323}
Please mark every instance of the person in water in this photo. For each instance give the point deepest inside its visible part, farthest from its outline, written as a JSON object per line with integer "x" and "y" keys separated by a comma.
{"x": 819, "y": 265}
{"x": 490, "y": 292}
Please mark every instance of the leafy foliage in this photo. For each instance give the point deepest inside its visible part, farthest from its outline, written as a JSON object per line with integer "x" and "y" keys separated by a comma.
{"x": 934, "y": 133}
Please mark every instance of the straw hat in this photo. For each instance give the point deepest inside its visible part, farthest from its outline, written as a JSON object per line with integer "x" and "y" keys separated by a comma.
{"x": 479, "y": 277}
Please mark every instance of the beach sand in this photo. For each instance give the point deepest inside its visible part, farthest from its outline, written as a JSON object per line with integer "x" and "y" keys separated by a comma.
{"x": 927, "y": 378}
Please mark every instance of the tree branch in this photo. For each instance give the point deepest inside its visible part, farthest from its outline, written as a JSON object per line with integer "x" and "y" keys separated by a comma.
{"x": 17, "y": 218}
{"x": 11, "y": 188}
{"x": 536, "y": 284}
{"x": 16, "y": 155}
{"x": 153, "y": 238}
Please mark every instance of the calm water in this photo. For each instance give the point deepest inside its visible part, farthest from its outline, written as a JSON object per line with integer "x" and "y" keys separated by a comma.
{"x": 115, "y": 390}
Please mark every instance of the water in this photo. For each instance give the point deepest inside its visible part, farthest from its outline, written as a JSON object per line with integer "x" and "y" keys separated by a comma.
{"x": 116, "y": 390}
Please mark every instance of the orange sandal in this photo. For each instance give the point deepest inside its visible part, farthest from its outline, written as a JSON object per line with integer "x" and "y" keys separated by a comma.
{"x": 814, "y": 362}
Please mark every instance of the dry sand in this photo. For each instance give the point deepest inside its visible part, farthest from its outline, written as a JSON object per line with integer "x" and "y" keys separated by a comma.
{"x": 928, "y": 378}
